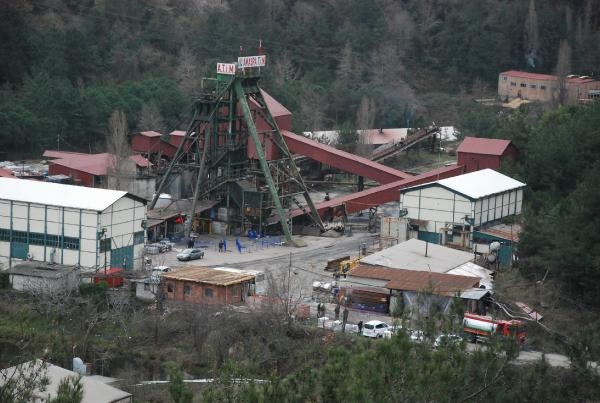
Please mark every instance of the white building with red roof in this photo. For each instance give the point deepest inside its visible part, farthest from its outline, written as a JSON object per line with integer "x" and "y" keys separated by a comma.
{"x": 545, "y": 87}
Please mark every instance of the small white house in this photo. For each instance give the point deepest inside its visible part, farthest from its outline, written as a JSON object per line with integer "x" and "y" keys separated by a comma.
{"x": 43, "y": 278}
{"x": 447, "y": 211}
{"x": 70, "y": 225}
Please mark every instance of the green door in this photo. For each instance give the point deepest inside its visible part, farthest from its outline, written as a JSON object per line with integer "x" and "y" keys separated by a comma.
{"x": 122, "y": 257}
{"x": 505, "y": 255}
{"x": 19, "y": 250}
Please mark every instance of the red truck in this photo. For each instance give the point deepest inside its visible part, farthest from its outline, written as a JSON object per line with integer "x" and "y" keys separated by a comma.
{"x": 113, "y": 277}
{"x": 484, "y": 327}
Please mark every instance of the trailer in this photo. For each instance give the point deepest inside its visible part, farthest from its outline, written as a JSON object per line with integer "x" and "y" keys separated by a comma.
{"x": 479, "y": 327}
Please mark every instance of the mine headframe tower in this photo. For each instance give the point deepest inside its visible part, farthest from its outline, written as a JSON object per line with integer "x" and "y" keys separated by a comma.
{"x": 252, "y": 174}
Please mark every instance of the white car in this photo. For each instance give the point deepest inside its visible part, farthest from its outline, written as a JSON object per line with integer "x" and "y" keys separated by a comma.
{"x": 445, "y": 340}
{"x": 391, "y": 331}
{"x": 374, "y": 328}
{"x": 190, "y": 254}
{"x": 416, "y": 336}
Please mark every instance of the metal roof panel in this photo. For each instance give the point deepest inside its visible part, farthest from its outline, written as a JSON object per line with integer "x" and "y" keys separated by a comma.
{"x": 478, "y": 145}
{"x": 56, "y": 194}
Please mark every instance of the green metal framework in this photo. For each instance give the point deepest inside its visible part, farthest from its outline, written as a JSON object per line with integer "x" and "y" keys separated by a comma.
{"x": 258, "y": 191}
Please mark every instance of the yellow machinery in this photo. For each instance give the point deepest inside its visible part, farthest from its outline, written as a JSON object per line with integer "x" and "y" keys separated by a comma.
{"x": 346, "y": 265}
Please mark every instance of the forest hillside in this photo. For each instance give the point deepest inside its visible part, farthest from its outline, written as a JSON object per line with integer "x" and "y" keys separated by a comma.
{"x": 66, "y": 65}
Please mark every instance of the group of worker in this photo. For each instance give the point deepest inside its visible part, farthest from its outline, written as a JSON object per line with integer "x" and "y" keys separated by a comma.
{"x": 321, "y": 313}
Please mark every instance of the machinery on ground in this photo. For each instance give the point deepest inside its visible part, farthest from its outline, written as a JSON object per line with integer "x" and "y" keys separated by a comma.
{"x": 341, "y": 266}
{"x": 235, "y": 155}
{"x": 480, "y": 327}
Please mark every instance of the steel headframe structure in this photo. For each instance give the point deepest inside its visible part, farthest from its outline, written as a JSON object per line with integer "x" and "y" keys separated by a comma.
{"x": 217, "y": 146}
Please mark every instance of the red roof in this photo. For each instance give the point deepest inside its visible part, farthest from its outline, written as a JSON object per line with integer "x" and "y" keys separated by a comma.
{"x": 5, "y": 173}
{"x": 140, "y": 161}
{"x": 416, "y": 280}
{"x": 547, "y": 77}
{"x": 478, "y": 145}
{"x": 150, "y": 133}
{"x": 95, "y": 164}
{"x": 62, "y": 154}
{"x": 274, "y": 106}
{"x": 524, "y": 74}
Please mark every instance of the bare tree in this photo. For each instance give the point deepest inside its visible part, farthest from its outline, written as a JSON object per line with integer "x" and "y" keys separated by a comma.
{"x": 530, "y": 34}
{"x": 273, "y": 9}
{"x": 563, "y": 67}
{"x": 347, "y": 66}
{"x": 188, "y": 78}
{"x": 117, "y": 145}
{"x": 387, "y": 67}
{"x": 365, "y": 116}
{"x": 311, "y": 109}
{"x": 283, "y": 302}
{"x": 151, "y": 118}
{"x": 284, "y": 70}
{"x": 365, "y": 119}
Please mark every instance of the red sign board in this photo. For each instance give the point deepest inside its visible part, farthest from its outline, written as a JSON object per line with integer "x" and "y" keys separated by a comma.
{"x": 252, "y": 61}
{"x": 226, "y": 68}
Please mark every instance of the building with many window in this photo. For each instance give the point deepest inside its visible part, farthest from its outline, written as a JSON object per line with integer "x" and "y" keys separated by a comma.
{"x": 546, "y": 87}
{"x": 449, "y": 210}
{"x": 70, "y": 225}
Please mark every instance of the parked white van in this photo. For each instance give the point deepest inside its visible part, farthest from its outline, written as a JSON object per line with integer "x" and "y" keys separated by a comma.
{"x": 374, "y": 328}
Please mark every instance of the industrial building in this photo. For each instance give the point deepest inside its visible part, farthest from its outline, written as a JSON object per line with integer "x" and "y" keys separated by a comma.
{"x": 70, "y": 225}
{"x": 434, "y": 273}
{"x": 546, "y": 87}
{"x": 449, "y": 210}
{"x": 475, "y": 153}
{"x": 100, "y": 171}
{"x": 202, "y": 285}
{"x": 380, "y": 288}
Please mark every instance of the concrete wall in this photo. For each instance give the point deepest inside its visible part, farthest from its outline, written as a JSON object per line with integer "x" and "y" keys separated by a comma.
{"x": 393, "y": 231}
{"x": 145, "y": 291}
{"x": 45, "y": 285}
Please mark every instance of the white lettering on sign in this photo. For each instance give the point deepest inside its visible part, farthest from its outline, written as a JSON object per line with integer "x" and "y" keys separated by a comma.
{"x": 226, "y": 68}
{"x": 252, "y": 61}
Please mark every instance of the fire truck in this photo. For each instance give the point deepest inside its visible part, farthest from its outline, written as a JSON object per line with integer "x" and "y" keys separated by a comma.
{"x": 483, "y": 327}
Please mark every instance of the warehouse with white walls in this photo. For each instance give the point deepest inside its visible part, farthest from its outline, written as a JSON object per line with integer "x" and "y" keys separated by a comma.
{"x": 70, "y": 225}
{"x": 448, "y": 210}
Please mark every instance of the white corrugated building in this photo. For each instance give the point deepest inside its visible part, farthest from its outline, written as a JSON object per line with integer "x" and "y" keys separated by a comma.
{"x": 70, "y": 225}
{"x": 447, "y": 211}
